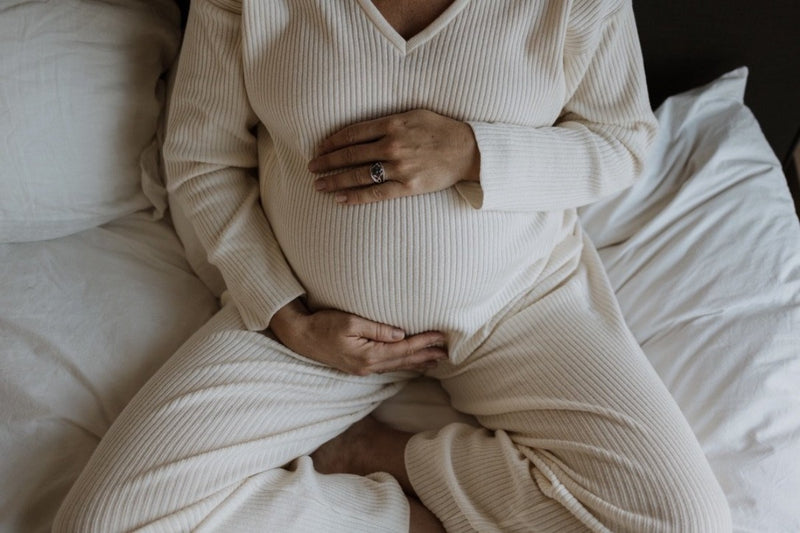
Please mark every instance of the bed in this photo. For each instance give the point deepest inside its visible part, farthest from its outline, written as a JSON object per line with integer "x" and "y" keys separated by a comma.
{"x": 100, "y": 281}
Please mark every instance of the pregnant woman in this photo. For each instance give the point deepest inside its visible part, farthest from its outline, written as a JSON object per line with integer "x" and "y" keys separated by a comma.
{"x": 390, "y": 188}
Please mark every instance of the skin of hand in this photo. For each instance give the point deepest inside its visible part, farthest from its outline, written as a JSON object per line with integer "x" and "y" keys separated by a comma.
{"x": 354, "y": 344}
{"x": 421, "y": 151}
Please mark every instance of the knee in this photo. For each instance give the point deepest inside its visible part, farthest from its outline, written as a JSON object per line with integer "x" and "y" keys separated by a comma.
{"x": 702, "y": 509}
{"x": 87, "y": 511}
{"x": 668, "y": 500}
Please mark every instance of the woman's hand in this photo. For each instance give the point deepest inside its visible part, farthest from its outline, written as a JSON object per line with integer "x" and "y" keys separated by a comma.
{"x": 421, "y": 152}
{"x": 353, "y": 344}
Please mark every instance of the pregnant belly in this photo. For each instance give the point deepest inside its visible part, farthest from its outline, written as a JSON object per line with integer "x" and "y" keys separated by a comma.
{"x": 419, "y": 263}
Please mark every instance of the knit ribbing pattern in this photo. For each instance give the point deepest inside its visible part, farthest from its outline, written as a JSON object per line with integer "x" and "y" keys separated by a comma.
{"x": 201, "y": 446}
{"x": 580, "y": 435}
{"x": 576, "y": 410}
{"x": 578, "y": 431}
{"x": 297, "y": 71}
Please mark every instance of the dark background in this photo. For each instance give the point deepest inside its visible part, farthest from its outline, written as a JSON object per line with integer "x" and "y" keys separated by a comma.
{"x": 687, "y": 43}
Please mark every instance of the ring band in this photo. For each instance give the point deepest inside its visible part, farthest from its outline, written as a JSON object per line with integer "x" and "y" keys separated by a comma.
{"x": 377, "y": 172}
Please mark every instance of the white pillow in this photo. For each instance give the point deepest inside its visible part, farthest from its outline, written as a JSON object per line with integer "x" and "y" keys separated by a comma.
{"x": 704, "y": 255}
{"x": 80, "y": 100}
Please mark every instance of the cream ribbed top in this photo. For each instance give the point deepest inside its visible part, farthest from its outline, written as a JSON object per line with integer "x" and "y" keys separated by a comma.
{"x": 554, "y": 91}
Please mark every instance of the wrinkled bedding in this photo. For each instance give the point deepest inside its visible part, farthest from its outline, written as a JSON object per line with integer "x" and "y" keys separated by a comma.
{"x": 84, "y": 321}
{"x": 704, "y": 253}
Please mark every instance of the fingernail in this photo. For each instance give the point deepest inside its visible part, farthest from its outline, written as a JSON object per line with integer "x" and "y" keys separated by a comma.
{"x": 340, "y": 198}
{"x": 312, "y": 166}
{"x": 398, "y": 334}
{"x": 320, "y": 185}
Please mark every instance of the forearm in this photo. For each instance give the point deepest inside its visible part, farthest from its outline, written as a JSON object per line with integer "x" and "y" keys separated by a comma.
{"x": 596, "y": 147}
{"x": 554, "y": 168}
{"x": 211, "y": 156}
{"x": 287, "y": 324}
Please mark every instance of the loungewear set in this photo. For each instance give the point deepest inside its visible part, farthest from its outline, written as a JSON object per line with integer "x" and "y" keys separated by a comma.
{"x": 578, "y": 431}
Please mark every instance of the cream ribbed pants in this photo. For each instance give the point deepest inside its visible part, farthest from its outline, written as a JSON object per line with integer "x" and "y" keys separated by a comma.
{"x": 580, "y": 435}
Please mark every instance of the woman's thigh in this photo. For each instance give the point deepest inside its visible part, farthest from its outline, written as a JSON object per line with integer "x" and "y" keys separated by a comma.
{"x": 229, "y": 405}
{"x": 565, "y": 383}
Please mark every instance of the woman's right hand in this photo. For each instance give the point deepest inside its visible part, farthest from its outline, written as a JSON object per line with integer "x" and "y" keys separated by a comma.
{"x": 354, "y": 344}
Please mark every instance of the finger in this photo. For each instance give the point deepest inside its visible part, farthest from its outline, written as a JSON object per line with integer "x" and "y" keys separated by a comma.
{"x": 373, "y": 193}
{"x": 410, "y": 345}
{"x": 423, "y": 359}
{"x": 374, "y": 331}
{"x": 358, "y": 133}
{"x": 357, "y": 177}
{"x": 348, "y": 156}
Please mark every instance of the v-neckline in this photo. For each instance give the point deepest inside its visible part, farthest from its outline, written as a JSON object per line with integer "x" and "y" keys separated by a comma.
{"x": 404, "y": 45}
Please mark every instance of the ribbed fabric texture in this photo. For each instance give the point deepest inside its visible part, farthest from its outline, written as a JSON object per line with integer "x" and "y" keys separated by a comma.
{"x": 582, "y": 435}
{"x": 202, "y": 445}
{"x": 579, "y": 432}
{"x": 259, "y": 88}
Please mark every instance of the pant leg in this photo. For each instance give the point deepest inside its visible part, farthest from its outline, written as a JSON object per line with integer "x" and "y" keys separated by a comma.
{"x": 581, "y": 433}
{"x": 202, "y": 446}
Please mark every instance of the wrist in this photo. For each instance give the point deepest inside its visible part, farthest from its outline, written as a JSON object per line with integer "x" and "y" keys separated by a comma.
{"x": 473, "y": 173}
{"x": 287, "y": 322}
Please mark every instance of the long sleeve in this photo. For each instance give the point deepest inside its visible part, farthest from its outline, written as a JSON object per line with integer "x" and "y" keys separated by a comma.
{"x": 211, "y": 157}
{"x": 598, "y": 144}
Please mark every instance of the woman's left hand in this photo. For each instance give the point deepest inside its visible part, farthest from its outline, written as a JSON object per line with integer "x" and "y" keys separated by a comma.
{"x": 421, "y": 152}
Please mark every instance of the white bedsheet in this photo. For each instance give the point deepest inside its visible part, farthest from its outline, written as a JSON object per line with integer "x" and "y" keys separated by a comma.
{"x": 704, "y": 253}
{"x": 84, "y": 321}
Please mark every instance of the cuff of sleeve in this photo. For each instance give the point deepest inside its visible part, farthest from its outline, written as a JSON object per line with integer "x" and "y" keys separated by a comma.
{"x": 259, "y": 298}
{"x": 259, "y": 280}
{"x": 257, "y": 313}
{"x": 547, "y": 169}
{"x": 505, "y": 168}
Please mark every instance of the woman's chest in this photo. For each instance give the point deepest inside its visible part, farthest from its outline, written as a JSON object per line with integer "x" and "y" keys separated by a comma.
{"x": 314, "y": 66}
{"x": 410, "y": 17}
